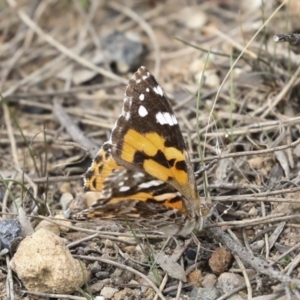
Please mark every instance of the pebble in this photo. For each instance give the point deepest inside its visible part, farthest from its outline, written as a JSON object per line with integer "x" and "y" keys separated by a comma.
{"x": 229, "y": 281}
{"x": 44, "y": 264}
{"x": 9, "y": 231}
{"x": 108, "y": 292}
{"x": 220, "y": 260}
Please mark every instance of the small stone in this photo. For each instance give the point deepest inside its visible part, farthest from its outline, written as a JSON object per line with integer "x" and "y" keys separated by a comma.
{"x": 125, "y": 51}
{"x": 65, "y": 188}
{"x": 256, "y": 162}
{"x": 195, "y": 278}
{"x": 24, "y": 219}
{"x": 97, "y": 286}
{"x": 49, "y": 226}
{"x": 65, "y": 200}
{"x": 44, "y": 264}
{"x": 209, "y": 280}
{"x": 257, "y": 245}
{"x": 123, "y": 294}
{"x": 212, "y": 80}
{"x": 193, "y": 17}
{"x": 9, "y": 231}
{"x": 204, "y": 293}
{"x": 108, "y": 292}
{"x": 220, "y": 260}
{"x": 253, "y": 212}
{"x": 229, "y": 281}
{"x": 61, "y": 221}
{"x": 129, "y": 249}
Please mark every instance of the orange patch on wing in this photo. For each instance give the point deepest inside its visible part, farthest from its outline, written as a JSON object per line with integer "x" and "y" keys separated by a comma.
{"x": 164, "y": 199}
{"x": 100, "y": 171}
{"x": 149, "y": 144}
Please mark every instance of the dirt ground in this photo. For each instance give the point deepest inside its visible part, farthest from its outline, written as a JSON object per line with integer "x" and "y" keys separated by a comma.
{"x": 235, "y": 92}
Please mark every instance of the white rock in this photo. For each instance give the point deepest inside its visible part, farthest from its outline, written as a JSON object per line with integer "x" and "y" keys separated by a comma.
{"x": 49, "y": 226}
{"x": 61, "y": 221}
{"x": 229, "y": 281}
{"x": 65, "y": 200}
{"x": 108, "y": 292}
{"x": 44, "y": 264}
{"x": 192, "y": 17}
{"x": 253, "y": 212}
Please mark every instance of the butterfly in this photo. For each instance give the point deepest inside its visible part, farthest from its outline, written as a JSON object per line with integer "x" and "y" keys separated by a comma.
{"x": 144, "y": 170}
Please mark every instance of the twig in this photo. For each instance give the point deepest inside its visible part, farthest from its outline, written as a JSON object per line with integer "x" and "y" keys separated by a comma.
{"x": 162, "y": 286}
{"x": 73, "y": 130}
{"x": 249, "y": 153}
{"x": 254, "y": 127}
{"x": 292, "y": 38}
{"x": 11, "y": 136}
{"x": 6, "y": 195}
{"x": 285, "y": 254}
{"x": 256, "y": 197}
{"x": 56, "y": 179}
{"x": 257, "y": 221}
{"x": 266, "y": 109}
{"x": 246, "y": 277}
{"x": 105, "y": 234}
{"x": 9, "y": 282}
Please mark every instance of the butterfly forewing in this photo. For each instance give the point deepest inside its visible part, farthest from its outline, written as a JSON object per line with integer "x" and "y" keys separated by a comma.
{"x": 147, "y": 137}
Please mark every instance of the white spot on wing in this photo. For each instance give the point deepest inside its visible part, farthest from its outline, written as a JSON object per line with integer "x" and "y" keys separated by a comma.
{"x": 143, "y": 111}
{"x": 158, "y": 90}
{"x": 141, "y": 97}
{"x": 166, "y": 118}
{"x": 127, "y": 115}
{"x": 121, "y": 183}
{"x": 147, "y": 90}
{"x": 107, "y": 193}
{"x": 150, "y": 184}
{"x": 138, "y": 175}
{"x": 124, "y": 188}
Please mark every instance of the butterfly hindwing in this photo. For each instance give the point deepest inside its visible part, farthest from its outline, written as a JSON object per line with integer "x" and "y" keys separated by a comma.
{"x": 102, "y": 168}
{"x": 117, "y": 184}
